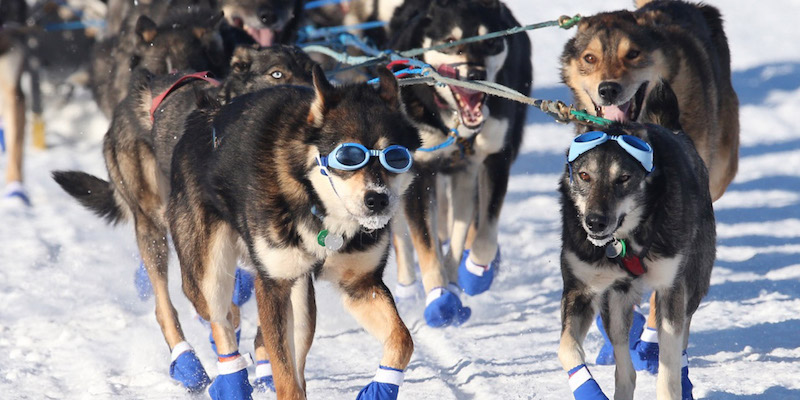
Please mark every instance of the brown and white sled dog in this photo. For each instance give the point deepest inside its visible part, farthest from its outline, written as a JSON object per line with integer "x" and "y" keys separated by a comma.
{"x": 247, "y": 181}
{"x": 473, "y": 173}
{"x": 616, "y": 58}
{"x": 636, "y": 212}
{"x": 138, "y": 152}
{"x": 13, "y": 54}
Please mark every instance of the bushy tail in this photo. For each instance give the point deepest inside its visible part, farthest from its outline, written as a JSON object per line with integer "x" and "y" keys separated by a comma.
{"x": 92, "y": 192}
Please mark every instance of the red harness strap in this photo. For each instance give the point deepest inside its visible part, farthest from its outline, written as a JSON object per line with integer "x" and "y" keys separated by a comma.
{"x": 633, "y": 264}
{"x": 197, "y": 75}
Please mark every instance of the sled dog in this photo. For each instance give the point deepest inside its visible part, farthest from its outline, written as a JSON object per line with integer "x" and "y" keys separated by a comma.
{"x": 636, "y": 212}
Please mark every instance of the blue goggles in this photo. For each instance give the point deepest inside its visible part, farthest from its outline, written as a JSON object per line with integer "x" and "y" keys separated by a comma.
{"x": 352, "y": 156}
{"x": 637, "y": 148}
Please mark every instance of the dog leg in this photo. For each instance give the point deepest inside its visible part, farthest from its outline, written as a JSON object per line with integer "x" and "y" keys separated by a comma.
{"x": 13, "y": 102}
{"x": 577, "y": 312}
{"x": 617, "y": 317}
{"x": 444, "y": 202}
{"x": 304, "y": 311}
{"x": 421, "y": 216}
{"x": 671, "y": 314}
{"x": 366, "y": 297}
{"x": 463, "y": 194}
{"x": 274, "y": 312}
{"x": 404, "y": 250}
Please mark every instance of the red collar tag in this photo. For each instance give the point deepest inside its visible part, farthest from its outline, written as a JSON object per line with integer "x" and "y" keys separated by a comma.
{"x": 197, "y": 75}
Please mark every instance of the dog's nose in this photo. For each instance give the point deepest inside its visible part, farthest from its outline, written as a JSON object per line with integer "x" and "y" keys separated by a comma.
{"x": 609, "y": 91}
{"x": 267, "y": 16}
{"x": 476, "y": 75}
{"x": 376, "y": 202}
{"x": 596, "y": 222}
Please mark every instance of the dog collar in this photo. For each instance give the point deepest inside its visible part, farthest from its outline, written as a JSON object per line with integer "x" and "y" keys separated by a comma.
{"x": 618, "y": 250}
{"x": 330, "y": 241}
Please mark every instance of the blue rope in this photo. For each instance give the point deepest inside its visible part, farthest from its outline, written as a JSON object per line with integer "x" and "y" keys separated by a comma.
{"x": 322, "y": 3}
{"x": 74, "y": 25}
{"x": 450, "y": 140}
{"x": 309, "y": 32}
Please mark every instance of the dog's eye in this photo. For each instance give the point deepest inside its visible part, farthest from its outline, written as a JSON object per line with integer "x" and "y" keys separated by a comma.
{"x": 276, "y": 74}
{"x": 623, "y": 178}
{"x": 450, "y": 40}
{"x": 590, "y": 58}
{"x": 632, "y": 54}
{"x": 585, "y": 177}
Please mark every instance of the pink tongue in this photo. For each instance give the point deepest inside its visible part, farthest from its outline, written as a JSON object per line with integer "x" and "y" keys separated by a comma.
{"x": 471, "y": 98}
{"x": 264, "y": 37}
{"x": 617, "y": 113}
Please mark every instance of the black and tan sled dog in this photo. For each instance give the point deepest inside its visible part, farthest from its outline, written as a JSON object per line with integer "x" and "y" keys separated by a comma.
{"x": 138, "y": 152}
{"x": 616, "y": 58}
{"x": 636, "y": 212}
{"x": 302, "y": 182}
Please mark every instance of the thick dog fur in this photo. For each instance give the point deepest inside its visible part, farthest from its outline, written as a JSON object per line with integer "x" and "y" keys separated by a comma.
{"x": 251, "y": 195}
{"x": 185, "y": 41}
{"x": 490, "y": 130}
{"x": 615, "y": 59}
{"x": 138, "y": 153}
{"x": 665, "y": 217}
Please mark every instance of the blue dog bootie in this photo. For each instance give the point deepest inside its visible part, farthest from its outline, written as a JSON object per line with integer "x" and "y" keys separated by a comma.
{"x": 187, "y": 369}
{"x": 686, "y": 384}
{"x": 243, "y": 289}
{"x": 408, "y": 293}
{"x": 144, "y": 288}
{"x": 583, "y": 385}
{"x": 476, "y": 279}
{"x": 385, "y": 385}
{"x": 16, "y": 191}
{"x": 232, "y": 382}
{"x": 264, "y": 382}
{"x": 606, "y": 354}
{"x": 645, "y": 352}
{"x": 443, "y": 307}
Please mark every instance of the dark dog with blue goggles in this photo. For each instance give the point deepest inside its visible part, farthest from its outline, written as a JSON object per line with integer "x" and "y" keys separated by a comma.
{"x": 638, "y": 148}
{"x": 353, "y": 156}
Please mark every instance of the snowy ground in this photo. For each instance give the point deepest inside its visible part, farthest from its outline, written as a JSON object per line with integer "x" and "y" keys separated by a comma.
{"x": 71, "y": 325}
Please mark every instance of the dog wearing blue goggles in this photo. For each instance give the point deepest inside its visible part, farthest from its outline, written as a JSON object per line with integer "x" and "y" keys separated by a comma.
{"x": 637, "y": 148}
{"x": 353, "y": 156}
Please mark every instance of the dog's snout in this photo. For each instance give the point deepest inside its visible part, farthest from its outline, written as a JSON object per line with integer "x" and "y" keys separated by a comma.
{"x": 597, "y": 222}
{"x": 609, "y": 91}
{"x": 267, "y": 16}
{"x": 376, "y": 202}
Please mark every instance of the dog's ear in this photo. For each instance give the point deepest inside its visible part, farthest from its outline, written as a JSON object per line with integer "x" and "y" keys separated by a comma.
{"x": 242, "y": 59}
{"x": 388, "y": 90}
{"x": 324, "y": 95}
{"x": 146, "y": 29}
{"x": 661, "y": 107}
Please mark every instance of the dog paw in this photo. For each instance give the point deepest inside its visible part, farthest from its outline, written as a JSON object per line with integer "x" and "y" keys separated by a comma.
{"x": 443, "y": 307}
{"x": 583, "y": 385}
{"x": 408, "y": 293}
{"x": 475, "y": 279}
{"x": 645, "y": 352}
{"x": 686, "y": 384}
{"x": 187, "y": 369}
{"x": 15, "y": 192}
{"x": 264, "y": 382}
{"x": 232, "y": 382}
{"x": 243, "y": 289}
{"x": 385, "y": 385}
{"x": 144, "y": 288}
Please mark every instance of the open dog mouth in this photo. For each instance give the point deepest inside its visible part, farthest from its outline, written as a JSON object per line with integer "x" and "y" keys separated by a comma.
{"x": 265, "y": 37}
{"x": 627, "y": 111}
{"x": 469, "y": 102}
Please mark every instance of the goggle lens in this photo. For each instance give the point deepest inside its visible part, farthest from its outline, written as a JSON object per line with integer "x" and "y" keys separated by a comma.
{"x": 635, "y": 142}
{"x": 397, "y": 158}
{"x": 350, "y": 156}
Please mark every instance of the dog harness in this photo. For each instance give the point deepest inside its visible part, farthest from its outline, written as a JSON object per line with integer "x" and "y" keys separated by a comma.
{"x": 617, "y": 250}
{"x": 203, "y": 75}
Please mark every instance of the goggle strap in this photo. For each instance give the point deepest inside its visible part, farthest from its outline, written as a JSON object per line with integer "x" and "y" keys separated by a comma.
{"x": 375, "y": 153}
{"x": 322, "y": 161}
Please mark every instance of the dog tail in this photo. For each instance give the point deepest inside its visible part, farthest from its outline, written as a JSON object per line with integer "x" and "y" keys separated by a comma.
{"x": 92, "y": 192}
